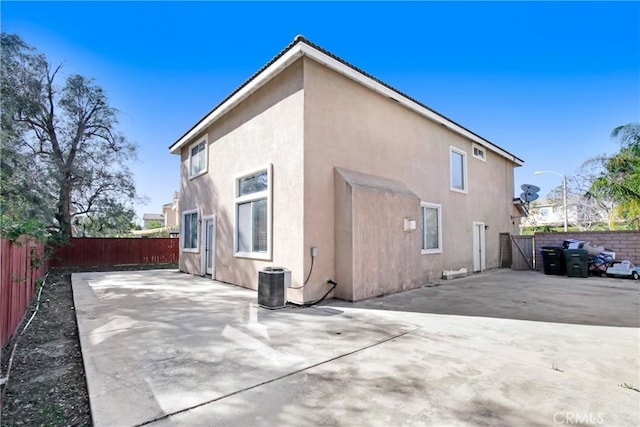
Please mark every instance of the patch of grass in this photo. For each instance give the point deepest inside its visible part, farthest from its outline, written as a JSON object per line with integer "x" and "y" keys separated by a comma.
{"x": 52, "y": 415}
{"x": 629, "y": 387}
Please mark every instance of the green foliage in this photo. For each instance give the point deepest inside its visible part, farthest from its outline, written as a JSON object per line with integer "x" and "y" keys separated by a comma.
{"x": 62, "y": 156}
{"x": 154, "y": 224}
{"x": 620, "y": 179}
{"x": 23, "y": 208}
{"x": 530, "y": 230}
{"x": 112, "y": 220}
{"x": 52, "y": 415}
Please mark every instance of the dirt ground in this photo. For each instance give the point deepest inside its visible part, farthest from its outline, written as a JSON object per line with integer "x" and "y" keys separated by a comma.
{"x": 47, "y": 384}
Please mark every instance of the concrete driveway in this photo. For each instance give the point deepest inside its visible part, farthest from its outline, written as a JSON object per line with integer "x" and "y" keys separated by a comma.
{"x": 163, "y": 348}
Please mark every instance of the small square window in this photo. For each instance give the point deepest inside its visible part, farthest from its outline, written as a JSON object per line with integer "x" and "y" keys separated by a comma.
{"x": 479, "y": 152}
{"x": 252, "y": 184}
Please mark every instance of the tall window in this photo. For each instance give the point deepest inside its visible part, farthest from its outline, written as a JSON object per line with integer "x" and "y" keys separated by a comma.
{"x": 253, "y": 212}
{"x": 198, "y": 158}
{"x": 458, "y": 170}
{"x": 190, "y": 231}
{"x": 431, "y": 228}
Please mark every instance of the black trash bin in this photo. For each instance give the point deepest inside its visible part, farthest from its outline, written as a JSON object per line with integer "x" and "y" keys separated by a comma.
{"x": 553, "y": 262}
{"x": 577, "y": 262}
{"x": 272, "y": 287}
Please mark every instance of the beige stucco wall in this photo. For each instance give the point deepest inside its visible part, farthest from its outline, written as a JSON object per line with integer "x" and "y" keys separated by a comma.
{"x": 306, "y": 122}
{"x": 374, "y": 251}
{"x": 267, "y": 128}
{"x": 349, "y": 126}
{"x": 171, "y": 216}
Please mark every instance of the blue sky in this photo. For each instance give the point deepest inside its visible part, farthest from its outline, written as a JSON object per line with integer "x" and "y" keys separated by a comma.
{"x": 547, "y": 81}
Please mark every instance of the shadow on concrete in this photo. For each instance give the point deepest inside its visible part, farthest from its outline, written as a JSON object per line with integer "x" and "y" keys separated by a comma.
{"x": 165, "y": 348}
{"x": 487, "y": 412}
{"x": 521, "y": 295}
{"x": 157, "y": 346}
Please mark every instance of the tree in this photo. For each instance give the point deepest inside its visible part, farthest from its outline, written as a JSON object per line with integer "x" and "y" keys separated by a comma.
{"x": 587, "y": 211}
{"x": 23, "y": 209}
{"x": 61, "y": 144}
{"x": 154, "y": 224}
{"x": 620, "y": 178}
{"x": 110, "y": 221}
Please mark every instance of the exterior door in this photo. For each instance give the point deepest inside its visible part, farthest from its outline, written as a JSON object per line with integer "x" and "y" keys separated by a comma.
{"x": 210, "y": 246}
{"x": 479, "y": 259}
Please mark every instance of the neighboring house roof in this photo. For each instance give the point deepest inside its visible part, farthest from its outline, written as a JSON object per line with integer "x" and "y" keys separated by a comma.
{"x": 153, "y": 217}
{"x": 521, "y": 206}
{"x": 303, "y": 47}
{"x": 175, "y": 203}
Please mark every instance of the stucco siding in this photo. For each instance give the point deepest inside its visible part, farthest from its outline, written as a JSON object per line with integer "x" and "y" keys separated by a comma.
{"x": 370, "y": 210}
{"x": 349, "y": 126}
{"x": 265, "y": 129}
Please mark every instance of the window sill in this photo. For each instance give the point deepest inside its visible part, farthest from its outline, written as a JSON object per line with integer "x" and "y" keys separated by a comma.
{"x": 457, "y": 190}
{"x": 430, "y": 251}
{"x": 266, "y": 256}
{"x": 202, "y": 172}
{"x": 191, "y": 250}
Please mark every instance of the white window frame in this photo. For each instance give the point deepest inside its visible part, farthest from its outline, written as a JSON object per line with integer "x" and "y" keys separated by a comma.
{"x": 183, "y": 234}
{"x": 268, "y": 194}
{"x": 204, "y": 140}
{"x": 463, "y": 153}
{"x": 437, "y": 250}
{"x": 481, "y": 149}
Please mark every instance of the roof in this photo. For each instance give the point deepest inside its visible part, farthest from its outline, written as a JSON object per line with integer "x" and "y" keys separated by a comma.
{"x": 303, "y": 47}
{"x": 376, "y": 183}
{"x": 152, "y": 217}
{"x": 523, "y": 207}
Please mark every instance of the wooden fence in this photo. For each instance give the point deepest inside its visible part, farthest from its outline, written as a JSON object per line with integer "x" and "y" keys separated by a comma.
{"x": 108, "y": 252}
{"x": 522, "y": 250}
{"x": 22, "y": 264}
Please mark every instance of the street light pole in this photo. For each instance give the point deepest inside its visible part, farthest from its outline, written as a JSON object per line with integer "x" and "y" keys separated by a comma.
{"x": 564, "y": 196}
{"x": 564, "y": 191}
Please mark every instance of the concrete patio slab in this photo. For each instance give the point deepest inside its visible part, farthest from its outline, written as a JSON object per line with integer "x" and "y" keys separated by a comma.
{"x": 164, "y": 348}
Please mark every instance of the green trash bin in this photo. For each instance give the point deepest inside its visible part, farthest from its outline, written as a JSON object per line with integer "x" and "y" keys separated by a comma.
{"x": 577, "y": 265}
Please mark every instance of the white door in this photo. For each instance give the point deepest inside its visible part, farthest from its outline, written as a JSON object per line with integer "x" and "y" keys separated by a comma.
{"x": 210, "y": 246}
{"x": 479, "y": 263}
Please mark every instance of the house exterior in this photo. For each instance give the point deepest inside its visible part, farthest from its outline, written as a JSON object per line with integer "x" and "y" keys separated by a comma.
{"x": 583, "y": 213}
{"x": 150, "y": 219}
{"x": 171, "y": 213}
{"x": 318, "y": 167}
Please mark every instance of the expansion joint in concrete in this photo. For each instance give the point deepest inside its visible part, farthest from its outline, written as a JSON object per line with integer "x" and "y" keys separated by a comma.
{"x": 306, "y": 368}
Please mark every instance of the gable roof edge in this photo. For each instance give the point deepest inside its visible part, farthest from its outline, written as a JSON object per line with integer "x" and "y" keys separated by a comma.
{"x": 255, "y": 82}
{"x": 303, "y": 47}
{"x": 336, "y": 64}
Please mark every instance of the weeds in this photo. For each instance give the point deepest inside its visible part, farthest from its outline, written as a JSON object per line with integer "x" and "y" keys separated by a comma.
{"x": 629, "y": 387}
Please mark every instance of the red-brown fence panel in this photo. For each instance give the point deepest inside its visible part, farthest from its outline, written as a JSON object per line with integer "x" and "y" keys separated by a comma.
{"x": 109, "y": 252}
{"x": 22, "y": 264}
